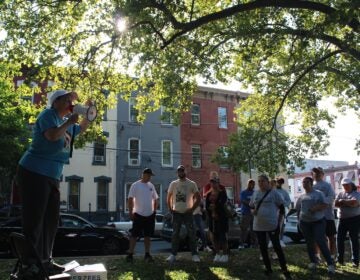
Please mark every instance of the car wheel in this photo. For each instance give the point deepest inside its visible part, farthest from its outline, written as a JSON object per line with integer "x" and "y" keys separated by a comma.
{"x": 111, "y": 246}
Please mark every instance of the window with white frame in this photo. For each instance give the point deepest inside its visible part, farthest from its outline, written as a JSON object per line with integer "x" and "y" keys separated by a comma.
{"x": 196, "y": 156}
{"x": 102, "y": 195}
{"x": 166, "y": 118}
{"x": 195, "y": 114}
{"x": 99, "y": 153}
{"x": 222, "y": 117}
{"x": 298, "y": 185}
{"x": 134, "y": 152}
{"x": 133, "y": 112}
{"x": 230, "y": 194}
{"x": 166, "y": 153}
{"x": 74, "y": 195}
{"x": 224, "y": 150}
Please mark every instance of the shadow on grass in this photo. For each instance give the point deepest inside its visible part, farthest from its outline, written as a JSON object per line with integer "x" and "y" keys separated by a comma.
{"x": 243, "y": 264}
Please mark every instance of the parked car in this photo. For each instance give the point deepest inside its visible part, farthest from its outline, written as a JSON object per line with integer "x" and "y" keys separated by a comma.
{"x": 292, "y": 229}
{"x": 75, "y": 234}
{"x": 127, "y": 225}
{"x": 233, "y": 234}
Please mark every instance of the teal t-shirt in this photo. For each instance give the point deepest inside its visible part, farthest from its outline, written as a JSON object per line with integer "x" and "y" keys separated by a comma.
{"x": 48, "y": 157}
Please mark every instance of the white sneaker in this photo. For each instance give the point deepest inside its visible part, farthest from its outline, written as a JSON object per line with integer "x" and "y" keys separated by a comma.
{"x": 217, "y": 258}
{"x": 282, "y": 244}
{"x": 224, "y": 259}
{"x": 274, "y": 256}
{"x": 331, "y": 269}
{"x": 195, "y": 258}
{"x": 270, "y": 244}
{"x": 241, "y": 247}
{"x": 171, "y": 258}
{"x": 207, "y": 249}
{"x": 312, "y": 266}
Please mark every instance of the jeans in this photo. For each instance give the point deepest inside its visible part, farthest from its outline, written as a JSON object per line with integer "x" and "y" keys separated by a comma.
{"x": 314, "y": 233}
{"x": 352, "y": 226}
{"x": 263, "y": 244}
{"x": 187, "y": 220}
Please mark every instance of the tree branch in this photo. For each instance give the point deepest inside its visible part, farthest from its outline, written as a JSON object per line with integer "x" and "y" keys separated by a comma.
{"x": 307, "y": 70}
{"x": 259, "y": 4}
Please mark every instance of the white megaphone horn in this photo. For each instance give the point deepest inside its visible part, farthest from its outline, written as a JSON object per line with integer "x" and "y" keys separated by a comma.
{"x": 90, "y": 112}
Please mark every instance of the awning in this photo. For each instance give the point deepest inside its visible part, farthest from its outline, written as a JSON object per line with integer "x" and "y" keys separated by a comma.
{"x": 338, "y": 177}
{"x": 351, "y": 175}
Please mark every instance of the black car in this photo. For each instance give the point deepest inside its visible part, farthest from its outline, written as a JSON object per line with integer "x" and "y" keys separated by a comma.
{"x": 75, "y": 234}
{"x": 233, "y": 233}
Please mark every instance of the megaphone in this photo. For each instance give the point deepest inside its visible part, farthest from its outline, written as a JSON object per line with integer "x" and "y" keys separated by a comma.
{"x": 90, "y": 112}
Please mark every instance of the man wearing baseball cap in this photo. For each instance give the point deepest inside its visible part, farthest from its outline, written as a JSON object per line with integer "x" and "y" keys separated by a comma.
{"x": 39, "y": 173}
{"x": 183, "y": 198}
{"x": 348, "y": 202}
{"x": 328, "y": 191}
{"x": 142, "y": 203}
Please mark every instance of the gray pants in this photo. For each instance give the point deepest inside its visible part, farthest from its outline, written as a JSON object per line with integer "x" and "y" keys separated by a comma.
{"x": 40, "y": 211}
{"x": 187, "y": 220}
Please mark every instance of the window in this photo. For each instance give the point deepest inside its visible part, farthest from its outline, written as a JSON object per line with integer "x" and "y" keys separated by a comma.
{"x": 134, "y": 152}
{"x": 74, "y": 195}
{"x": 166, "y": 118}
{"x": 196, "y": 156}
{"x": 99, "y": 153}
{"x": 225, "y": 154}
{"x": 133, "y": 112}
{"x": 298, "y": 185}
{"x": 102, "y": 196}
{"x": 166, "y": 153}
{"x": 195, "y": 114}
{"x": 230, "y": 194}
{"x": 337, "y": 179}
{"x": 222, "y": 117}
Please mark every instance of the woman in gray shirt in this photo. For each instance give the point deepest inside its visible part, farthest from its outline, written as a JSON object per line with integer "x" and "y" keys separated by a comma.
{"x": 311, "y": 213}
{"x": 348, "y": 202}
{"x": 268, "y": 207}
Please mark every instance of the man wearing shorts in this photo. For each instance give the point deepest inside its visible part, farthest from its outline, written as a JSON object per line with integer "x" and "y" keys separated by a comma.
{"x": 328, "y": 191}
{"x": 142, "y": 202}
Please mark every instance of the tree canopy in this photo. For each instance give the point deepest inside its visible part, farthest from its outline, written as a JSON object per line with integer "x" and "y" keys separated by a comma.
{"x": 290, "y": 53}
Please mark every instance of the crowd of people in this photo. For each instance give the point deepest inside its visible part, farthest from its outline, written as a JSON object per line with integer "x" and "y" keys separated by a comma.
{"x": 263, "y": 213}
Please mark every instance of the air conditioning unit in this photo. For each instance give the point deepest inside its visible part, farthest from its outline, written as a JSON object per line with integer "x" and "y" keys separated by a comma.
{"x": 134, "y": 161}
{"x": 99, "y": 158}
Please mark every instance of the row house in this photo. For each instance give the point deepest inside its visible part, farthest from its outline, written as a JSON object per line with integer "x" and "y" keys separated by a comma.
{"x": 96, "y": 182}
{"x": 333, "y": 175}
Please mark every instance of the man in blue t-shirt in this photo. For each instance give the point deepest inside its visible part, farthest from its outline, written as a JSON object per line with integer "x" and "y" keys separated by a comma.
{"x": 247, "y": 217}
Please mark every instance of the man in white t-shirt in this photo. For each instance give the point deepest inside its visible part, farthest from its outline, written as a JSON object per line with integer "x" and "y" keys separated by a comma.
{"x": 183, "y": 198}
{"x": 142, "y": 203}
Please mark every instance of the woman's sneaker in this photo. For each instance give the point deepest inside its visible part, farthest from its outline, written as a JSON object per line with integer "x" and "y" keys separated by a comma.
{"x": 224, "y": 259}
{"x": 312, "y": 266}
{"x": 331, "y": 269}
{"x": 217, "y": 258}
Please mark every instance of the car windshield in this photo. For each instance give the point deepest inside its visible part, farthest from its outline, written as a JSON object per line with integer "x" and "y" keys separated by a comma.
{"x": 74, "y": 222}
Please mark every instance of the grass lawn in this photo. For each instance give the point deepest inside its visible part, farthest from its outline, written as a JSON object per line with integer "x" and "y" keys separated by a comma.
{"x": 243, "y": 264}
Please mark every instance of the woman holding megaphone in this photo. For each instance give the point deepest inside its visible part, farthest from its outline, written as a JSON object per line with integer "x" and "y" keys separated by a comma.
{"x": 39, "y": 174}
